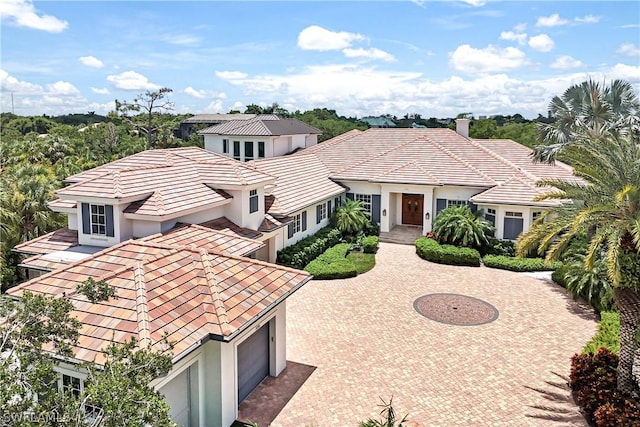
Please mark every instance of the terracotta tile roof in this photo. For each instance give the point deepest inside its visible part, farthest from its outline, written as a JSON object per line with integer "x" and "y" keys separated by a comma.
{"x": 186, "y": 293}
{"x": 212, "y": 118}
{"x": 261, "y": 126}
{"x": 302, "y": 181}
{"x": 519, "y": 190}
{"x": 270, "y": 222}
{"x": 205, "y": 237}
{"x": 224, "y": 224}
{"x": 57, "y": 204}
{"x": 39, "y": 262}
{"x": 58, "y": 240}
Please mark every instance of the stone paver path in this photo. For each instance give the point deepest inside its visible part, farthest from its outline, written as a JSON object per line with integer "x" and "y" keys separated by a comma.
{"x": 367, "y": 341}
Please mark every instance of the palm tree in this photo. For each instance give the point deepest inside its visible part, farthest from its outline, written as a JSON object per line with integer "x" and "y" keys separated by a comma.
{"x": 605, "y": 206}
{"x": 351, "y": 217}
{"x": 460, "y": 226}
{"x": 589, "y": 111}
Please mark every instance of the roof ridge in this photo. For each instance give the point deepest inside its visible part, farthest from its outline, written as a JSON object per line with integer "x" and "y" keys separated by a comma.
{"x": 212, "y": 286}
{"x": 142, "y": 307}
{"x": 159, "y": 195}
{"x": 375, "y": 156}
{"x": 460, "y": 159}
{"x": 503, "y": 159}
{"x": 117, "y": 188}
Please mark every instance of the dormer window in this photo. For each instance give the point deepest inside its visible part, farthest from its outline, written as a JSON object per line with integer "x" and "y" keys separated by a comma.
{"x": 253, "y": 201}
{"x": 98, "y": 220}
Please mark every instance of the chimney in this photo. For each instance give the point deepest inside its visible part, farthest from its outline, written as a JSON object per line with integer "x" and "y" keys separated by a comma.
{"x": 462, "y": 127}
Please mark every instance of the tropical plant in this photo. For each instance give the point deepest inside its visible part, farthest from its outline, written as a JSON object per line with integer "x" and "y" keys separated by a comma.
{"x": 389, "y": 417}
{"x": 460, "y": 226}
{"x": 604, "y": 206}
{"x": 593, "y": 285}
{"x": 351, "y": 218}
{"x": 589, "y": 111}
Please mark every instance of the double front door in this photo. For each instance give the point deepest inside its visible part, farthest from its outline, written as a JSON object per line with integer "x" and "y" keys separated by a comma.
{"x": 412, "y": 209}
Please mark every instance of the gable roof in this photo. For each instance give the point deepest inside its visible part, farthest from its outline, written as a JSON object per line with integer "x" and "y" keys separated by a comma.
{"x": 302, "y": 181}
{"x": 261, "y": 126}
{"x": 189, "y": 294}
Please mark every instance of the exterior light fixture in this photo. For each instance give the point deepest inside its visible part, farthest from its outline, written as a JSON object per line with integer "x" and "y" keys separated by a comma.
{"x": 384, "y": 212}
{"x": 427, "y": 216}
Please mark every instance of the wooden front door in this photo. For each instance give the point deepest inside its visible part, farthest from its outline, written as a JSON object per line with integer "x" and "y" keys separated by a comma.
{"x": 412, "y": 209}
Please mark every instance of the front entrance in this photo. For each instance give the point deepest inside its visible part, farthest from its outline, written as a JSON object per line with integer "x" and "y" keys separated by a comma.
{"x": 412, "y": 209}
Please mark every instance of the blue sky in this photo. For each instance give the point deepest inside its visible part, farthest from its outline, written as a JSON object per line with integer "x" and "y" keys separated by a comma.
{"x": 359, "y": 58}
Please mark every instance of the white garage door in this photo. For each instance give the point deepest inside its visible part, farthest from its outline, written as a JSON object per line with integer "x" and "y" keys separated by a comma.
{"x": 253, "y": 361}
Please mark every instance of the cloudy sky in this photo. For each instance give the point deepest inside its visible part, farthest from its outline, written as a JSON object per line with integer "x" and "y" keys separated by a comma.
{"x": 437, "y": 59}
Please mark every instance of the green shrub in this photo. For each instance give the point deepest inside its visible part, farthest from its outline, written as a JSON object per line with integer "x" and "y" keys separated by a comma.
{"x": 460, "y": 226}
{"x": 499, "y": 247}
{"x": 332, "y": 264}
{"x": 431, "y": 250}
{"x": 591, "y": 285}
{"x": 304, "y": 251}
{"x": 517, "y": 264}
{"x": 371, "y": 229}
{"x": 370, "y": 244}
{"x": 558, "y": 275}
{"x": 362, "y": 261}
{"x": 608, "y": 335}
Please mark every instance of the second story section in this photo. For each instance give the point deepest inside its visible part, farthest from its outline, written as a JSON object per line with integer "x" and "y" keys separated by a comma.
{"x": 150, "y": 192}
{"x": 263, "y": 136}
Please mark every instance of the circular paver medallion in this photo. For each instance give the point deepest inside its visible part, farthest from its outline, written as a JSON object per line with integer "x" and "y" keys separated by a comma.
{"x": 455, "y": 309}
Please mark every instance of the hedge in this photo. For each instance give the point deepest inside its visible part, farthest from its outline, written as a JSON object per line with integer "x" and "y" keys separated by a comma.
{"x": 309, "y": 248}
{"x": 559, "y": 275}
{"x": 431, "y": 250}
{"x": 332, "y": 264}
{"x": 608, "y": 335}
{"x": 517, "y": 264}
{"x": 370, "y": 244}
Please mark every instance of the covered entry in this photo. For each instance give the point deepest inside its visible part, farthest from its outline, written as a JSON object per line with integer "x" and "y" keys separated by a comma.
{"x": 412, "y": 209}
{"x": 253, "y": 361}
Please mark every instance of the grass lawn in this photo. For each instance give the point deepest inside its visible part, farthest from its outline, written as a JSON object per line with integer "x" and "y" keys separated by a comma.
{"x": 363, "y": 262}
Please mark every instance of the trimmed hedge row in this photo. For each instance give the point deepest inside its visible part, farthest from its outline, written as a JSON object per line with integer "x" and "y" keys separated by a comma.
{"x": 332, "y": 264}
{"x": 433, "y": 251}
{"x": 608, "y": 335}
{"x": 370, "y": 244}
{"x": 309, "y": 248}
{"x": 517, "y": 264}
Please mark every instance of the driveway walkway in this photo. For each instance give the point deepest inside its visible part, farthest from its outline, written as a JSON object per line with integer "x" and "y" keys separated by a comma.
{"x": 367, "y": 341}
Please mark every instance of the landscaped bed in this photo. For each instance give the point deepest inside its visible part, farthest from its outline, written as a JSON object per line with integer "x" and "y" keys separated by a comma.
{"x": 518, "y": 264}
{"x": 339, "y": 262}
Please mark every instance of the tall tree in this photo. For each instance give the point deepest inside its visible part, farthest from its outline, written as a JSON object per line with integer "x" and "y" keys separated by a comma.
{"x": 605, "y": 206}
{"x": 589, "y": 110}
{"x": 149, "y": 105}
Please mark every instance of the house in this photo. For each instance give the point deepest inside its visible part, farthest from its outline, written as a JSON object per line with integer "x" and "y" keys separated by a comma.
{"x": 199, "y": 121}
{"x": 263, "y": 136}
{"x": 378, "y": 122}
{"x": 188, "y": 237}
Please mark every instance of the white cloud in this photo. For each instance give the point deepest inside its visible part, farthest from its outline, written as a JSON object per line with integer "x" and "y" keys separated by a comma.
{"x": 488, "y": 60}
{"x": 9, "y": 83}
{"x": 216, "y": 107}
{"x": 130, "y": 80}
{"x": 100, "y": 91}
{"x": 318, "y": 38}
{"x": 521, "y": 38}
{"x": 541, "y": 43}
{"x": 551, "y": 21}
{"x": 475, "y": 3}
{"x": 91, "y": 61}
{"x": 628, "y": 49}
{"x": 372, "y": 53}
{"x": 201, "y": 94}
{"x": 61, "y": 88}
{"x": 23, "y": 14}
{"x": 566, "y": 62}
{"x": 182, "y": 39}
{"x": 520, "y": 28}
{"x": 587, "y": 19}
{"x": 231, "y": 75}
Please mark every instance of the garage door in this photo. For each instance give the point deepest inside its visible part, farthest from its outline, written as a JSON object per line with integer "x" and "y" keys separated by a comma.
{"x": 253, "y": 361}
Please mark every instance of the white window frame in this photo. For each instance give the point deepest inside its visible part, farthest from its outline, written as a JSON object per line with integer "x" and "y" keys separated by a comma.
{"x": 72, "y": 376}
{"x": 246, "y": 156}
{"x": 510, "y": 214}
{"x": 535, "y": 215}
{"x": 456, "y": 203}
{"x": 297, "y": 223}
{"x": 323, "y": 211}
{"x": 491, "y": 211}
{"x": 365, "y": 199}
{"x": 98, "y": 219}
{"x": 253, "y": 197}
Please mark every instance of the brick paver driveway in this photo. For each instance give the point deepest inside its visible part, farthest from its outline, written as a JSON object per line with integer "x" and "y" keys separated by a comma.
{"x": 367, "y": 341}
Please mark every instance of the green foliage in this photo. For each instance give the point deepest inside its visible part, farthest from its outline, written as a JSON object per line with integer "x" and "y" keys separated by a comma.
{"x": 97, "y": 291}
{"x": 498, "y": 247}
{"x": 431, "y": 250}
{"x": 592, "y": 285}
{"x": 608, "y": 335}
{"x": 351, "y": 218}
{"x": 371, "y": 229}
{"x": 148, "y": 108}
{"x": 362, "y": 261}
{"x": 370, "y": 244}
{"x": 328, "y": 122}
{"x": 559, "y": 273}
{"x": 593, "y": 383}
{"x": 332, "y": 264}
{"x": 389, "y": 417}
{"x": 518, "y": 264}
{"x": 304, "y": 251}
{"x": 459, "y": 226}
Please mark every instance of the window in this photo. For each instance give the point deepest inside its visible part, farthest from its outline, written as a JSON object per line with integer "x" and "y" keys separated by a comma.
{"x": 456, "y": 202}
{"x": 98, "y": 220}
{"x": 513, "y": 224}
{"x": 513, "y": 214}
{"x": 253, "y": 201}
{"x": 72, "y": 384}
{"x": 491, "y": 211}
{"x": 296, "y": 224}
{"x": 261, "y": 149}
{"x": 321, "y": 212}
{"x": 225, "y": 146}
{"x": 535, "y": 215}
{"x": 248, "y": 151}
{"x": 236, "y": 150}
{"x": 365, "y": 199}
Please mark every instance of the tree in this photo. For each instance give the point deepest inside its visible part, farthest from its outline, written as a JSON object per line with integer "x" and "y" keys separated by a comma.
{"x": 119, "y": 387}
{"x": 589, "y": 111}
{"x": 351, "y": 217}
{"x": 460, "y": 226}
{"x": 149, "y": 104}
{"x": 605, "y": 207}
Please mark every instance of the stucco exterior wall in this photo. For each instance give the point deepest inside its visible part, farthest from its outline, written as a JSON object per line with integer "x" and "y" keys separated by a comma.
{"x": 123, "y": 227}
{"x": 312, "y": 227}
